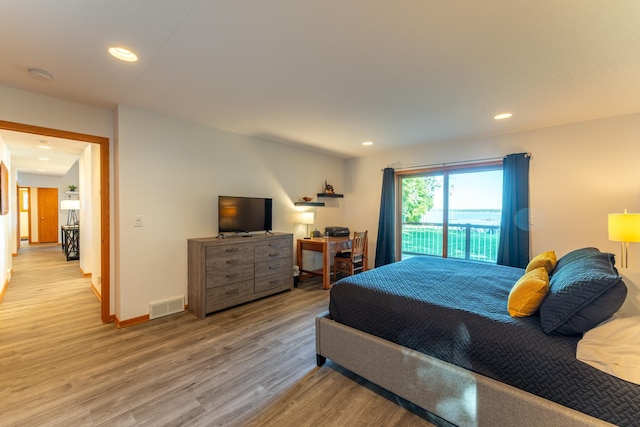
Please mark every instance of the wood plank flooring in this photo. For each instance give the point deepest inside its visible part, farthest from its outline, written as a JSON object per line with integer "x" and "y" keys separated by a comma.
{"x": 252, "y": 365}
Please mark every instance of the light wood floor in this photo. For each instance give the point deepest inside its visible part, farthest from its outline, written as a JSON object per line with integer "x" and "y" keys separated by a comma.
{"x": 252, "y": 365}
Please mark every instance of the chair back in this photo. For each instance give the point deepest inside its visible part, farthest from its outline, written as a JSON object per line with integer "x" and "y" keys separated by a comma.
{"x": 358, "y": 245}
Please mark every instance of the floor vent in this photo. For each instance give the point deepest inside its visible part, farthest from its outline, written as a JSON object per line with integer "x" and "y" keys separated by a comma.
{"x": 165, "y": 308}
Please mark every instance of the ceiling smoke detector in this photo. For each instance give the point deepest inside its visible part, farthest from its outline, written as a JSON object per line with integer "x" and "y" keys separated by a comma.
{"x": 41, "y": 74}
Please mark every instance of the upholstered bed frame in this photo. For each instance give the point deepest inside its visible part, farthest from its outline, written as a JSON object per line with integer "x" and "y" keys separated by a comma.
{"x": 457, "y": 395}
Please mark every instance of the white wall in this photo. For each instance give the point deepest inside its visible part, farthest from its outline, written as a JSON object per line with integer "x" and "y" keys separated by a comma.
{"x": 93, "y": 206}
{"x": 171, "y": 172}
{"x": 5, "y": 228}
{"x": 578, "y": 174}
{"x": 38, "y": 110}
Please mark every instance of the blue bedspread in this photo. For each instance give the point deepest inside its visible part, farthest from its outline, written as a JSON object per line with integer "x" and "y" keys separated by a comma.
{"x": 456, "y": 311}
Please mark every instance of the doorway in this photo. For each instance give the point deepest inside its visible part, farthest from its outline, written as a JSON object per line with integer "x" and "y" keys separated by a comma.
{"x": 105, "y": 243}
{"x": 24, "y": 214}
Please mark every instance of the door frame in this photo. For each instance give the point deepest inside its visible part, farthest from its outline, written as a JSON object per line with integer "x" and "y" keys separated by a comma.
{"x": 105, "y": 242}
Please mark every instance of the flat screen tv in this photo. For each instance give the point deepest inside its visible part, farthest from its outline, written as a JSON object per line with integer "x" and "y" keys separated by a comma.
{"x": 244, "y": 214}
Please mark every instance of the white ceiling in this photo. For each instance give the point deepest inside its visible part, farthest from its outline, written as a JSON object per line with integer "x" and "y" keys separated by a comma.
{"x": 331, "y": 74}
{"x": 28, "y": 157}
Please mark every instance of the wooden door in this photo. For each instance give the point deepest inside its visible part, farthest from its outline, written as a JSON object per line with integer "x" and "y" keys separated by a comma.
{"x": 47, "y": 215}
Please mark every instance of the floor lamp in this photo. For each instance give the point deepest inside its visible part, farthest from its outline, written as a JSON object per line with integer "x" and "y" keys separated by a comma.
{"x": 71, "y": 206}
{"x": 624, "y": 228}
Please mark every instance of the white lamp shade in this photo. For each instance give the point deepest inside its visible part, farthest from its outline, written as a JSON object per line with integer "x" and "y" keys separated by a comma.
{"x": 67, "y": 205}
{"x": 307, "y": 218}
{"x": 624, "y": 227}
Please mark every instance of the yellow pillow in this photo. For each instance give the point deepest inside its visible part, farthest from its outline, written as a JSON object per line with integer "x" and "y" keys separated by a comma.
{"x": 547, "y": 260}
{"x": 528, "y": 293}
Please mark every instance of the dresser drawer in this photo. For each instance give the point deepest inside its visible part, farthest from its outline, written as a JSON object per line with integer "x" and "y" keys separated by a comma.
{"x": 226, "y": 276}
{"x": 273, "y": 248}
{"x": 222, "y": 295}
{"x": 272, "y": 282}
{"x": 221, "y": 256}
{"x": 230, "y": 250}
{"x": 282, "y": 265}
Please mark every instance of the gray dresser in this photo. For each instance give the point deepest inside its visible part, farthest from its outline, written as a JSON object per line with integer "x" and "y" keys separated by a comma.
{"x": 235, "y": 270}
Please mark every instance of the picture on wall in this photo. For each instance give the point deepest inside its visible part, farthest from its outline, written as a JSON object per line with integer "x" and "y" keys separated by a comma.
{"x": 4, "y": 189}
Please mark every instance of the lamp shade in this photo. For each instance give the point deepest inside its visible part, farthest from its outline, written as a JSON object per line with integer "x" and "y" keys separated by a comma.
{"x": 624, "y": 227}
{"x": 307, "y": 218}
{"x": 68, "y": 204}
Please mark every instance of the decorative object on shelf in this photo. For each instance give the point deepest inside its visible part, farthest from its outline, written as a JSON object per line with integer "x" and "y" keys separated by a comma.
{"x": 316, "y": 233}
{"x": 307, "y": 218}
{"x": 624, "y": 228}
{"x": 328, "y": 188}
{"x": 72, "y": 188}
{"x": 307, "y": 198}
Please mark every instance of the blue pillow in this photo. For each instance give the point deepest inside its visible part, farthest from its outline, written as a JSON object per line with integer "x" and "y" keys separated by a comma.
{"x": 572, "y": 256}
{"x": 584, "y": 293}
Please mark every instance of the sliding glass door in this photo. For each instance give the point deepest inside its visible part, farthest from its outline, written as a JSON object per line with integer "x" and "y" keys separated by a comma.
{"x": 452, "y": 212}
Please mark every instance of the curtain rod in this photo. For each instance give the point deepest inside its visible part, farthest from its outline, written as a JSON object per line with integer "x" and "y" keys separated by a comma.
{"x": 461, "y": 162}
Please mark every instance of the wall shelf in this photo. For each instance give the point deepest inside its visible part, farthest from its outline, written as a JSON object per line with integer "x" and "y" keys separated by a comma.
{"x": 309, "y": 203}
{"x": 331, "y": 195}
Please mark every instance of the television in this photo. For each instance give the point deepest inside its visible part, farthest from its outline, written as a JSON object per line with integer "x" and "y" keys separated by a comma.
{"x": 244, "y": 214}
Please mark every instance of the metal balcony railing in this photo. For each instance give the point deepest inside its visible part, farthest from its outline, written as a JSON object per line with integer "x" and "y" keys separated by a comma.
{"x": 476, "y": 242}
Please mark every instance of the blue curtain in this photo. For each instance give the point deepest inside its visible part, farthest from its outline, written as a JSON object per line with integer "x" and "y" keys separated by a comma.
{"x": 513, "y": 248}
{"x": 385, "y": 245}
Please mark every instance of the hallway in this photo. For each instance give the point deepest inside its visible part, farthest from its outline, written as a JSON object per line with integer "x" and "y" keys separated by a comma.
{"x": 43, "y": 286}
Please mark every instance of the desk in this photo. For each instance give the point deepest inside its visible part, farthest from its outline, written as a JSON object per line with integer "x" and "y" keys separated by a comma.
{"x": 71, "y": 241}
{"x": 328, "y": 246}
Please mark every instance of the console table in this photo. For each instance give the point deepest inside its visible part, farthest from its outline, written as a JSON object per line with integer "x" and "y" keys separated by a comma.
{"x": 329, "y": 246}
{"x": 70, "y": 235}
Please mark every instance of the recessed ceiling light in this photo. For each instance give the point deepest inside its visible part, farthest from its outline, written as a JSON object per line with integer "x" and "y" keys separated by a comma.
{"x": 502, "y": 116}
{"x": 41, "y": 74}
{"x": 44, "y": 159}
{"x": 367, "y": 143}
{"x": 123, "y": 54}
{"x": 45, "y": 145}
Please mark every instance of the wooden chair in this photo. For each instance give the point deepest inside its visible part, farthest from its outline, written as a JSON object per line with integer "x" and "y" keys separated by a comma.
{"x": 354, "y": 261}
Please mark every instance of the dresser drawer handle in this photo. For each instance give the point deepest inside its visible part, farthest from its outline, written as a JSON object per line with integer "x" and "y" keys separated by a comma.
{"x": 273, "y": 282}
{"x": 274, "y": 254}
{"x": 231, "y": 276}
{"x": 231, "y": 250}
{"x": 273, "y": 267}
{"x": 232, "y": 261}
{"x": 232, "y": 291}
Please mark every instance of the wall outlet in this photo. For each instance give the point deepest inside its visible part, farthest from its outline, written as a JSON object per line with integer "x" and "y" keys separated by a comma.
{"x": 138, "y": 221}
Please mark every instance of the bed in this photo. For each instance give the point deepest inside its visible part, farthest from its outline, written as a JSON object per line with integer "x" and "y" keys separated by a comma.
{"x": 437, "y": 333}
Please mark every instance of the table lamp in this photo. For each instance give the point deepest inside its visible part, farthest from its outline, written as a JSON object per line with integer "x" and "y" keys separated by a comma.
{"x": 307, "y": 218}
{"x": 624, "y": 228}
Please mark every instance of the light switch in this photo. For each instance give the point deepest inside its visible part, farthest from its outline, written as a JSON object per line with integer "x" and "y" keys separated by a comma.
{"x": 138, "y": 222}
